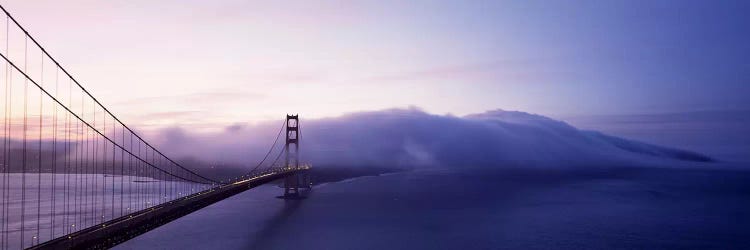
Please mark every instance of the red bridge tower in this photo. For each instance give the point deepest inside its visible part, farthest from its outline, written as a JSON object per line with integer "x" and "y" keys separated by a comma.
{"x": 293, "y": 183}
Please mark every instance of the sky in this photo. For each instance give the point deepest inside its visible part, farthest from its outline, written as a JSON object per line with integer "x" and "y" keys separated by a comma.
{"x": 213, "y": 63}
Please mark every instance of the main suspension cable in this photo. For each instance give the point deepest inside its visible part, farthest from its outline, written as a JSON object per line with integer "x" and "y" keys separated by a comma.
{"x": 84, "y": 122}
{"x": 278, "y": 135}
{"x": 281, "y": 152}
{"x": 97, "y": 101}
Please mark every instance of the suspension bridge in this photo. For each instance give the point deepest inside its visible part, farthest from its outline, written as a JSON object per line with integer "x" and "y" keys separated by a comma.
{"x": 73, "y": 175}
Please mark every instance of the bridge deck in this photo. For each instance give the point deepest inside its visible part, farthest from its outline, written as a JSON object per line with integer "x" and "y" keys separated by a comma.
{"x": 119, "y": 230}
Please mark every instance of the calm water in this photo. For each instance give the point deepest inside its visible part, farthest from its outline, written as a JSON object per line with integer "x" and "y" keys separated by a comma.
{"x": 69, "y": 208}
{"x": 449, "y": 209}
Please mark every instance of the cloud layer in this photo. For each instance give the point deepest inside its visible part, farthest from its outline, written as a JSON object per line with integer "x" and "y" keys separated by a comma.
{"x": 409, "y": 138}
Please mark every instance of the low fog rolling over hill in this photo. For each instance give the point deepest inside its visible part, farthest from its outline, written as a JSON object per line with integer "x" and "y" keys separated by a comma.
{"x": 723, "y": 134}
{"x": 400, "y": 139}
{"x": 411, "y": 138}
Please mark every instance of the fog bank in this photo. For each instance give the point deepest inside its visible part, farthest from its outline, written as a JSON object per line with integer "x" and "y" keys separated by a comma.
{"x": 409, "y": 138}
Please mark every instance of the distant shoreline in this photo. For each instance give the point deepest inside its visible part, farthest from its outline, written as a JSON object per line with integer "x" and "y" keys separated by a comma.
{"x": 328, "y": 174}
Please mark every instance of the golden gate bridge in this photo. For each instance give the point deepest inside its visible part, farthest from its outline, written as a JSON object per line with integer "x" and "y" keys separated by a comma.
{"x": 73, "y": 175}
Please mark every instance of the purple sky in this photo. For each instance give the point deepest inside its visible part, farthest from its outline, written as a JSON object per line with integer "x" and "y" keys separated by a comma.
{"x": 212, "y": 63}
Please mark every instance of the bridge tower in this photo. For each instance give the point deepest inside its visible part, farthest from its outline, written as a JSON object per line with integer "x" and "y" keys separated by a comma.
{"x": 292, "y": 183}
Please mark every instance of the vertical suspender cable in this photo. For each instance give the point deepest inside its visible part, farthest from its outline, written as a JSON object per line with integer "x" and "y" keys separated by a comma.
{"x": 104, "y": 169}
{"x": 23, "y": 159}
{"x": 6, "y": 150}
{"x": 77, "y": 151}
{"x": 161, "y": 197}
{"x": 81, "y": 159}
{"x": 171, "y": 184}
{"x": 91, "y": 169}
{"x": 130, "y": 177}
{"x": 79, "y": 165}
{"x": 139, "y": 172}
{"x": 122, "y": 173}
{"x": 114, "y": 136}
{"x": 139, "y": 179}
{"x": 155, "y": 175}
{"x": 144, "y": 177}
{"x": 66, "y": 167}
{"x": 6, "y": 138}
{"x": 164, "y": 184}
{"x": 150, "y": 190}
{"x": 83, "y": 168}
{"x": 54, "y": 159}
{"x": 78, "y": 147}
{"x": 39, "y": 161}
{"x": 68, "y": 156}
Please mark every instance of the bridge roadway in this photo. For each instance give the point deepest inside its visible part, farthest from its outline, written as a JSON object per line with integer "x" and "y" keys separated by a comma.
{"x": 119, "y": 230}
